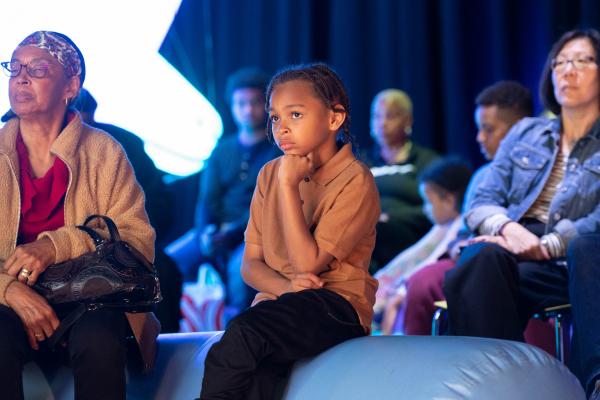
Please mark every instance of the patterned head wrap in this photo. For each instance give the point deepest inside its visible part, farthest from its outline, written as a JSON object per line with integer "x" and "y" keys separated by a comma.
{"x": 60, "y": 47}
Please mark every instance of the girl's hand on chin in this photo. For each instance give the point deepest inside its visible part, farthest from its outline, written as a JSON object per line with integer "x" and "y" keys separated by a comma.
{"x": 294, "y": 168}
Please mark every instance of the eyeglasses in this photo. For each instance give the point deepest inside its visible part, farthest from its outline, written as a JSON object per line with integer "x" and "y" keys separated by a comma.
{"x": 581, "y": 62}
{"x": 35, "y": 69}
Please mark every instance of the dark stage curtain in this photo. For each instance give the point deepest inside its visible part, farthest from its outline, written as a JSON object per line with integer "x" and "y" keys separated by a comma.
{"x": 442, "y": 52}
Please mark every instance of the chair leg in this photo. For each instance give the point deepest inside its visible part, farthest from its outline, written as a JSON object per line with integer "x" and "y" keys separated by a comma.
{"x": 435, "y": 323}
{"x": 558, "y": 337}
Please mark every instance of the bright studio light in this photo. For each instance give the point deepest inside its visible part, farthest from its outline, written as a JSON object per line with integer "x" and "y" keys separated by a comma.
{"x": 135, "y": 87}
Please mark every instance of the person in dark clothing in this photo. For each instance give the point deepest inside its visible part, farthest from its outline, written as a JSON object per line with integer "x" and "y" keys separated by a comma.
{"x": 159, "y": 205}
{"x": 396, "y": 162}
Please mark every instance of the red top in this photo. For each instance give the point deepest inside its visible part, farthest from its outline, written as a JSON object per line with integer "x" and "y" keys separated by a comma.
{"x": 42, "y": 199}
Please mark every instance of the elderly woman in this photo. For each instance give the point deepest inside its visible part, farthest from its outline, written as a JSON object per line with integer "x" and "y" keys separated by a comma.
{"x": 396, "y": 163}
{"x": 539, "y": 200}
{"x": 54, "y": 172}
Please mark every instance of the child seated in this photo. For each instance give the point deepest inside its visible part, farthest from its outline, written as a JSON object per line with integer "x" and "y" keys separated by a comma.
{"x": 308, "y": 243}
{"x": 442, "y": 186}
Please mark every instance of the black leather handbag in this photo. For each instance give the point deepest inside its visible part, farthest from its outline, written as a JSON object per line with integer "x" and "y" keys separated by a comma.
{"x": 114, "y": 275}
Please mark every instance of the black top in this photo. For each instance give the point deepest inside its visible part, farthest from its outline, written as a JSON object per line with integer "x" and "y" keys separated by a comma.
{"x": 403, "y": 221}
{"x": 397, "y": 183}
{"x": 228, "y": 182}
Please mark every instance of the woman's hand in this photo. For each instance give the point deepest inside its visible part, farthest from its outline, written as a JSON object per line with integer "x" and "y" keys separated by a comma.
{"x": 294, "y": 168}
{"x": 305, "y": 280}
{"x": 32, "y": 257}
{"x": 499, "y": 240}
{"x": 519, "y": 241}
{"x": 523, "y": 243}
{"x": 37, "y": 316}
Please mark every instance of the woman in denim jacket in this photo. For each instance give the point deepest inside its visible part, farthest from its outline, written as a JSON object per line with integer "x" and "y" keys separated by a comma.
{"x": 537, "y": 212}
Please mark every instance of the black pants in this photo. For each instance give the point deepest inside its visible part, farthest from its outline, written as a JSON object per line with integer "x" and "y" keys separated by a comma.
{"x": 96, "y": 351}
{"x": 491, "y": 293}
{"x": 255, "y": 355}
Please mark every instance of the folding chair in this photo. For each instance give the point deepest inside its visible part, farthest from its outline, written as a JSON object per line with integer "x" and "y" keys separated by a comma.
{"x": 556, "y": 312}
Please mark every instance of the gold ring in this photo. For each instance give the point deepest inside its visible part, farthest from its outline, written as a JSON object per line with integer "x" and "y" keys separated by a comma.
{"x": 25, "y": 272}
{"x": 39, "y": 336}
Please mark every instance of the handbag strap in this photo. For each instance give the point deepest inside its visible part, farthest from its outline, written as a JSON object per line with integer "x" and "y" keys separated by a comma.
{"x": 99, "y": 240}
{"x": 112, "y": 228}
{"x": 65, "y": 324}
{"x": 81, "y": 308}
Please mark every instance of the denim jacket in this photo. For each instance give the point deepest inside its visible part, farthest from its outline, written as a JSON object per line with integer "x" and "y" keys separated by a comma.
{"x": 521, "y": 168}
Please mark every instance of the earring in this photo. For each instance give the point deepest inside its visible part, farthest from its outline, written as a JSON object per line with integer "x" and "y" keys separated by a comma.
{"x": 408, "y": 130}
{"x": 66, "y": 101}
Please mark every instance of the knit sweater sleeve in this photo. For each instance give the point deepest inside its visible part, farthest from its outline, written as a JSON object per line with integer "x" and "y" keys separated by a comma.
{"x": 118, "y": 196}
{"x": 5, "y": 280}
{"x": 125, "y": 204}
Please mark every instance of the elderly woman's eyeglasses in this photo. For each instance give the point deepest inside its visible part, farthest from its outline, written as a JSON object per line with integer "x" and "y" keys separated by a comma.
{"x": 580, "y": 62}
{"x": 35, "y": 69}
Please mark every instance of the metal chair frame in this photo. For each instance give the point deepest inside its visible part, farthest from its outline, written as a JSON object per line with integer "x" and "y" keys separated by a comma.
{"x": 556, "y": 312}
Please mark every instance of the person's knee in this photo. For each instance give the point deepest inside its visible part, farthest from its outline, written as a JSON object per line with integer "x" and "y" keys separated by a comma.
{"x": 482, "y": 250}
{"x": 99, "y": 338}
{"x": 242, "y": 321}
{"x": 480, "y": 258}
{"x": 250, "y": 326}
